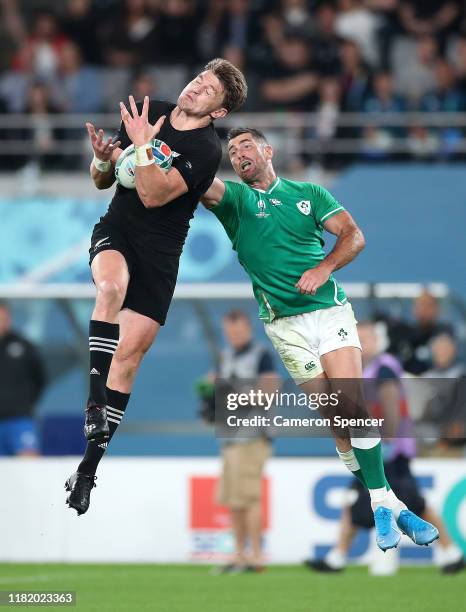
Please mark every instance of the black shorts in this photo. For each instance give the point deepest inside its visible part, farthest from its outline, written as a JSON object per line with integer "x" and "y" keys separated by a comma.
{"x": 152, "y": 273}
{"x": 404, "y": 486}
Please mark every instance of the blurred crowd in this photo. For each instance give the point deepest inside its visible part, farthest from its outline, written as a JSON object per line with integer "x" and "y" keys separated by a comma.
{"x": 428, "y": 349}
{"x": 322, "y": 56}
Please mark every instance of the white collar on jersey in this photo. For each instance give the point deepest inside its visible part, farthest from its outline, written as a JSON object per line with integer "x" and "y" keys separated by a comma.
{"x": 270, "y": 189}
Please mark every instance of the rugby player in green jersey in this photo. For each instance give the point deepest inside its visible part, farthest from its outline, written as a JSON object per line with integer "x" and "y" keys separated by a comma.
{"x": 276, "y": 227}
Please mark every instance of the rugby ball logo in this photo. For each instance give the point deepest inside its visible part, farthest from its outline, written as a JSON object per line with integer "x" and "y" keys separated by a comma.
{"x": 125, "y": 165}
{"x": 304, "y": 207}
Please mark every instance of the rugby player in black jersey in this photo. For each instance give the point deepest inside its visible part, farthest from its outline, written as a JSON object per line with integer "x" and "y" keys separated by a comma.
{"x": 136, "y": 246}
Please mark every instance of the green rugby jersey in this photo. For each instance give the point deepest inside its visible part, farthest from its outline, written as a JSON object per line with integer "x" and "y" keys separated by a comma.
{"x": 278, "y": 235}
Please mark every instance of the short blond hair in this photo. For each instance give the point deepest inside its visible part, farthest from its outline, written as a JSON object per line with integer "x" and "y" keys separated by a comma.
{"x": 232, "y": 80}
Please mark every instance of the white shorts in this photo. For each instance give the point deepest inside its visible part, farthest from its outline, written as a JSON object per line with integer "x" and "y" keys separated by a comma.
{"x": 302, "y": 339}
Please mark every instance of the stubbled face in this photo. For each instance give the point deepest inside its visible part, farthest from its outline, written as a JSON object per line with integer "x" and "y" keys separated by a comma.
{"x": 203, "y": 96}
{"x": 248, "y": 157}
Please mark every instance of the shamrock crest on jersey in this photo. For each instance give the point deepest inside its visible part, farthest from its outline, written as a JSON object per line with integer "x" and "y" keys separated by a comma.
{"x": 304, "y": 206}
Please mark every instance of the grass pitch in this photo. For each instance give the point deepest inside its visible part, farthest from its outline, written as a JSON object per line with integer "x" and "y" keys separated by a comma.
{"x": 183, "y": 588}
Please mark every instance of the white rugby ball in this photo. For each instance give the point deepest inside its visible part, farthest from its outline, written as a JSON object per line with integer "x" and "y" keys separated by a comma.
{"x": 126, "y": 163}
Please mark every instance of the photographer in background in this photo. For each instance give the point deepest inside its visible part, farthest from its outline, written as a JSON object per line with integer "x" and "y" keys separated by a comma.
{"x": 240, "y": 485}
{"x": 22, "y": 381}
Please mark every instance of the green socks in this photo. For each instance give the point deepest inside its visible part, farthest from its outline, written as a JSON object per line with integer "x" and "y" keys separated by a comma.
{"x": 371, "y": 464}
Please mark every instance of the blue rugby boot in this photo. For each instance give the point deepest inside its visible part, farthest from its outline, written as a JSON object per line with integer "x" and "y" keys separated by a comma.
{"x": 387, "y": 534}
{"x": 421, "y": 532}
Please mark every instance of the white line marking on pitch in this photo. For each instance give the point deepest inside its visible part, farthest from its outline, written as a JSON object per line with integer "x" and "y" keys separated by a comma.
{"x": 34, "y": 578}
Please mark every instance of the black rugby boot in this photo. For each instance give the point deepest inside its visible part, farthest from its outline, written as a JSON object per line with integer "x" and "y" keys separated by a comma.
{"x": 80, "y": 487}
{"x": 96, "y": 425}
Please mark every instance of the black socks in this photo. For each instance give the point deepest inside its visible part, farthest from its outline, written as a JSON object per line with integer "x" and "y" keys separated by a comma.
{"x": 116, "y": 406}
{"x": 103, "y": 341}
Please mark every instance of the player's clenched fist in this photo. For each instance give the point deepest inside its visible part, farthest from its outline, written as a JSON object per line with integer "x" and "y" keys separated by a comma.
{"x": 312, "y": 279}
{"x": 103, "y": 149}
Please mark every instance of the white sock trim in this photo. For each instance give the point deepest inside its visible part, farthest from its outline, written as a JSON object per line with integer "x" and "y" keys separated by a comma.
{"x": 365, "y": 443}
{"x": 395, "y": 504}
{"x": 349, "y": 459}
{"x": 378, "y": 495}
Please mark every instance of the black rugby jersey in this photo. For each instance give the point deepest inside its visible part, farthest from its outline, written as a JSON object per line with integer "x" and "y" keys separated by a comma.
{"x": 198, "y": 157}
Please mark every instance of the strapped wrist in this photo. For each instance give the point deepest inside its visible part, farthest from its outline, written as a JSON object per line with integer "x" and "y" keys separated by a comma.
{"x": 100, "y": 165}
{"x": 144, "y": 155}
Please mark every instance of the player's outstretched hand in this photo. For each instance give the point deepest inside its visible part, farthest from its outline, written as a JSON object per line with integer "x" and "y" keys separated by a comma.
{"x": 103, "y": 149}
{"x": 138, "y": 128}
{"x": 312, "y": 279}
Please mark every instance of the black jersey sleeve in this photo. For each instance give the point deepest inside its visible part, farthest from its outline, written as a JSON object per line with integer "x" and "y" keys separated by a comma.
{"x": 199, "y": 163}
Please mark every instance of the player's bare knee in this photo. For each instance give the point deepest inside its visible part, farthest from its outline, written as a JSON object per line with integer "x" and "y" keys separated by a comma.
{"x": 110, "y": 293}
{"x": 128, "y": 358}
{"x": 128, "y": 371}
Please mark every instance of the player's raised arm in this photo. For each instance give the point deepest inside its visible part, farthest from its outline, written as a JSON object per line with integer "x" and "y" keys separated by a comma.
{"x": 155, "y": 187}
{"x": 214, "y": 194}
{"x": 106, "y": 153}
{"x": 350, "y": 242}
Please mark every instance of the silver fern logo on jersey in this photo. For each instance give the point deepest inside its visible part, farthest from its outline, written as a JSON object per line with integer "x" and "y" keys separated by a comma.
{"x": 304, "y": 206}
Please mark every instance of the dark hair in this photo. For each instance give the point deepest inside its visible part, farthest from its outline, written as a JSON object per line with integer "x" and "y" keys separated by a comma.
{"x": 233, "y": 82}
{"x": 256, "y": 134}
{"x": 236, "y": 315}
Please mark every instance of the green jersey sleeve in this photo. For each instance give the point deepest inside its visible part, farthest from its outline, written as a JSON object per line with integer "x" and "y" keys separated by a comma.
{"x": 228, "y": 210}
{"x": 324, "y": 205}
